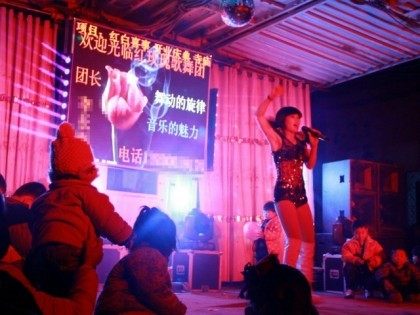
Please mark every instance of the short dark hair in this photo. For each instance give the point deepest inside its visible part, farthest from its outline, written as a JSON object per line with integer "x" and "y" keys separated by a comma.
{"x": 359, "y": 224}
{"x": 155, "y": 229}
{"x": 33, "y": 189}
{"x": 283, "y": 112}
{"x": 269, "y": 206}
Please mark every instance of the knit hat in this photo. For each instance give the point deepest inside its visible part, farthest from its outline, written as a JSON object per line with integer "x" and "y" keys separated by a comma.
{"x": 70, "y": 156}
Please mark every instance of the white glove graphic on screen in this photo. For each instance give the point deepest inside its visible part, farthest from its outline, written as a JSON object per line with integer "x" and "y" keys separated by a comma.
{"x": 122, "y": 100}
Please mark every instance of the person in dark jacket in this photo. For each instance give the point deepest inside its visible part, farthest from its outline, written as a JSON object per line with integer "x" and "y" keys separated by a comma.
{"x": 400, "y": 279}
{"x": 18, "y": 217}
{"x": 140, "y": 283}
{"x": 19, "y": 296}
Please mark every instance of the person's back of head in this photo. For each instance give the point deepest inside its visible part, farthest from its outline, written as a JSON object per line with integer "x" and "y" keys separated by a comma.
{"x": 156, "y": 229}
{"x": 32, "y": 189}
{"x": 21, "y": 200}
{"x": 274, "y": 288}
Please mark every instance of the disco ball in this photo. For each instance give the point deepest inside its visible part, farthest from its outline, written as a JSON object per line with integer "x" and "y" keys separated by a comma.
{"x": 237, "y": 13}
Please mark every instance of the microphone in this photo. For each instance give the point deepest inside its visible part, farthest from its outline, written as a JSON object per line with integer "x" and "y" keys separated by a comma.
{"x": 315, "y": 133}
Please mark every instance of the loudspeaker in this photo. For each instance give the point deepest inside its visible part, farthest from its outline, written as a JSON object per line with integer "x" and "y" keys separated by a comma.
{"x": 206, "y": 271}
{"x": 180, "y": 266}
{"x": 199, "y": 268}
{"x": 333, "y": 273}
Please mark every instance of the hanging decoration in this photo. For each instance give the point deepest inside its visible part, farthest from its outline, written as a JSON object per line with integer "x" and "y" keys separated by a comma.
{"x": 237, "y": 13}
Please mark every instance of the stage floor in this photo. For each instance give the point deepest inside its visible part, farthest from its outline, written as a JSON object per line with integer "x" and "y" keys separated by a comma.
{"x": 227, "y": 302}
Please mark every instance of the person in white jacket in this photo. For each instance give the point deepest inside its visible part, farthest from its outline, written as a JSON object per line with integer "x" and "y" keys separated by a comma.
{"x": 273, "y": 233}
{"x": 362, "y": 255}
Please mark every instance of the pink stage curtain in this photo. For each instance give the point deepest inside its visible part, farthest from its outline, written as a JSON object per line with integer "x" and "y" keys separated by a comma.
{"x": 244, "y": 174}
{"x": 26, "y": 94}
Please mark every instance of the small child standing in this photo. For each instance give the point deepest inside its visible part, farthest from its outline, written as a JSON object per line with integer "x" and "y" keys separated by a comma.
{"x": 273, "y": 231}
{"x": 399, "y": 278}
{"x": 70, "y": 218}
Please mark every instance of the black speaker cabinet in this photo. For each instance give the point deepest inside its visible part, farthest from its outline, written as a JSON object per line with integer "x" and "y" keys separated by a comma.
{"x": 200, "y": 269}
{"x": 333, "y": 273}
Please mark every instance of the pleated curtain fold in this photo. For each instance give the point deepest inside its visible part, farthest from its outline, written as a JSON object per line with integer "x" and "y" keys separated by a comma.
{"x": 27, "y": 47}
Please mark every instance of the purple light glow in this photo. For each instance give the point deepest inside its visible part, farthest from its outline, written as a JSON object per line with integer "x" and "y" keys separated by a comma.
{"x": 32, "y": 132}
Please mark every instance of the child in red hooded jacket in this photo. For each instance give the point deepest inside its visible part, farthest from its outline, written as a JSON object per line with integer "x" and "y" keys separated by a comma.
{"x": 70, "y": 217}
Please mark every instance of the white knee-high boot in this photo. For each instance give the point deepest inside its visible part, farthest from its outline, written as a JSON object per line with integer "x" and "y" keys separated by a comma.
{"x": 280, "y": 255}
{"x": 307, "y": 260}
{"x": 291, "y": 251}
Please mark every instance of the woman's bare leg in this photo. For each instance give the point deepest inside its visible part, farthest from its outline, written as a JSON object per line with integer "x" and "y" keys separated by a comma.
{"x": 298, "y": 226}
{"x": 290, "y": 222}
{"x": 307, "y": 230}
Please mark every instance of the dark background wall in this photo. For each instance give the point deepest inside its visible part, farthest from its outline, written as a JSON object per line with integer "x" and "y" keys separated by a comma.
{"x": 375, "y": 118}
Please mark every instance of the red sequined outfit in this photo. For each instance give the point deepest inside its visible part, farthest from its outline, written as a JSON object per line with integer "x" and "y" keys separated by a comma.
{"x": 289, "y": 164}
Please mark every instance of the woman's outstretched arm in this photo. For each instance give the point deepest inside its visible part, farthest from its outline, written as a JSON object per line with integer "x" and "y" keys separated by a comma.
{"x": 268, "y": 130}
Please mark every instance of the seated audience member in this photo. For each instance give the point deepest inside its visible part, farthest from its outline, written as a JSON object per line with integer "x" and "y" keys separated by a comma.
{"x": 70, "y": 218}
{"x": 18, "y": 296}
{"x": 415, "y": 255}
{"x": 140, "y": 283}
{"x": 26, "y": 194}
{"x": 273, "y": 231}
{"x": 362, "y": 255}
{"x": 276, "y": 289}
{"x": 399, "y": 279}
{"x": 18, "y": 217}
